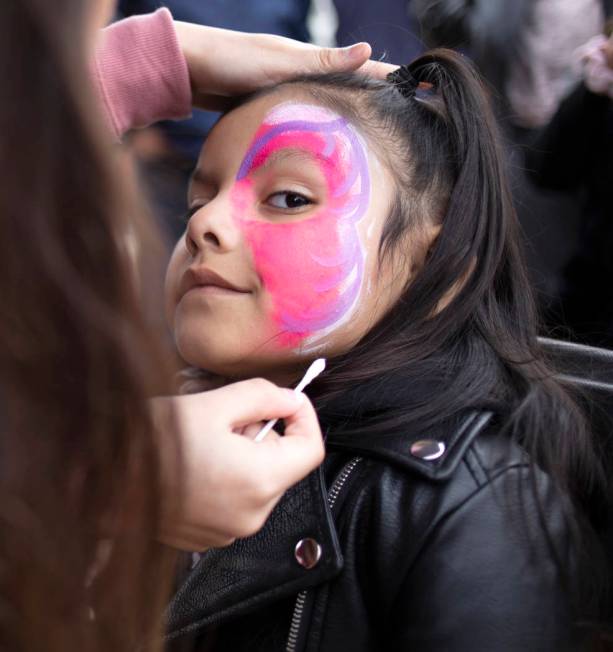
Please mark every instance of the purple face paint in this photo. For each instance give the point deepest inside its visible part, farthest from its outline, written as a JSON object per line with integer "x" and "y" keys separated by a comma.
{"x": 312, "y": 268}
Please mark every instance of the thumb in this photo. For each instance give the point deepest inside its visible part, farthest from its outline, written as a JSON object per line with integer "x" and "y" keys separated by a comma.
{"x": 341, "y": 59}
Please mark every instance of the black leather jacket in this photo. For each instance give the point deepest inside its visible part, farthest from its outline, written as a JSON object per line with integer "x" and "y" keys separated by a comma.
{"x": 422, "y": 546}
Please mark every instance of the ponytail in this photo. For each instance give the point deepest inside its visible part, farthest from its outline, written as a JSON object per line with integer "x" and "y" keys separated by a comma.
{"x": 463, "y": 138}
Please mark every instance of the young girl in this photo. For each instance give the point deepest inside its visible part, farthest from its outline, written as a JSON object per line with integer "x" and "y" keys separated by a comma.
{"x": 370, "y": 222}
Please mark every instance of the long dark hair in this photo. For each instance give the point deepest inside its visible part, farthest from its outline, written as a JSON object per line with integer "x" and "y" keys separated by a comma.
{"x": 79, "y": 478}
{"x": 466, "y": 322}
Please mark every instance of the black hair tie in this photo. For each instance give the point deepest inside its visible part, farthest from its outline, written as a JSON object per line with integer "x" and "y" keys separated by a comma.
{"x": 403, "y": 80}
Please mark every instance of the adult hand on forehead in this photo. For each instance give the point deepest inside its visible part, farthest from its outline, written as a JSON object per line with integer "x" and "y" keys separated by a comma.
{"x": 223, "y": 63}
{"x": 225, "y": 485}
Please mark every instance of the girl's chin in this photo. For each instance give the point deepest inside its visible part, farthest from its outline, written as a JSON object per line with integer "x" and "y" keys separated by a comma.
{"x": 269, "y": 356}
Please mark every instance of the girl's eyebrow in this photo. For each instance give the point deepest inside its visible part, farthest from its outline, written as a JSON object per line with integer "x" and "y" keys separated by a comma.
{"x": 290, "y": 154}
{"x": 204, "y": 178}
{"x": 293, "y": 154}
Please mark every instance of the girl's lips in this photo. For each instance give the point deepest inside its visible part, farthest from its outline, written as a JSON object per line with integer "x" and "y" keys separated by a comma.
{"x": 207, "y": 281}
{"x": 213, "y": 290}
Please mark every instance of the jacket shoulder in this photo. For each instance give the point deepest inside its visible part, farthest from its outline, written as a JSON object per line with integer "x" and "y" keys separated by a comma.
{"x": 473, "y": 528}
{"x": 478, "y": 471}
{"x": 472, "y": 439}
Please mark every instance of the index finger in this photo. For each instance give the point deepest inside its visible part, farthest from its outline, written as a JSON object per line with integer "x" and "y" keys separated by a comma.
{"x": 376, "y": 69}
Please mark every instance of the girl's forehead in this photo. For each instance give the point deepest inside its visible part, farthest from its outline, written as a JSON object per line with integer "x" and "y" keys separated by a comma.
{"x": 303, "y": 111}
{"x": 290, "y": 111}
{"x": 277, "y": 108}
{"x": 235, "y": 132}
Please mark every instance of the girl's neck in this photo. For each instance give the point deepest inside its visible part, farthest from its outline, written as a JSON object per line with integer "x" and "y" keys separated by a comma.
{"x": 283, "y": 375}
{"x": 197, "y": 380}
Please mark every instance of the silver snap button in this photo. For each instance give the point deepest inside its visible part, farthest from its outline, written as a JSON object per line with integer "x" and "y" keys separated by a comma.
{"x": 307, "y": 553}
{"x": 427, "y": 449}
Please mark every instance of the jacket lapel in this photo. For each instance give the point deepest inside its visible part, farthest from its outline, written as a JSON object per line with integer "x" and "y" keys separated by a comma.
{"x": 256, "y": 571}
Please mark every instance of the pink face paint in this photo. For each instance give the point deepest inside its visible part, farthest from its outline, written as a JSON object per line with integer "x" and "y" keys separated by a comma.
{"x": 312, "y": 268}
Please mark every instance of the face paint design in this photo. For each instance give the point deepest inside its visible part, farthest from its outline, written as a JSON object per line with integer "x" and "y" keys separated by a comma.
{"x": 312, "y": 268}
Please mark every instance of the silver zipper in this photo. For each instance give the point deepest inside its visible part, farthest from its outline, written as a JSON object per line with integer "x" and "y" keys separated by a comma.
{"x": 333, "y": 494}
{"x": 294, "y": 628}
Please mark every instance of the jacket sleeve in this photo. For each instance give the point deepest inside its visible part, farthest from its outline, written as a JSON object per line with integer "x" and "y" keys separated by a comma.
{"x": 485, "y": 579}
{"x": 140, "y": 73}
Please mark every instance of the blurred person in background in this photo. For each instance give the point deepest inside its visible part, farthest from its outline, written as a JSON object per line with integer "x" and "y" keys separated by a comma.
{"x": 574, "y": 152}
{"x": 93, "y": 472}
{"x": 525, "y": 50}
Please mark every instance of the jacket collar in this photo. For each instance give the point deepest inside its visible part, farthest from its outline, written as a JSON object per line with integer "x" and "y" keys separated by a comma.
{"x": 358, "y": 421}
{"x": 433, "y": 453}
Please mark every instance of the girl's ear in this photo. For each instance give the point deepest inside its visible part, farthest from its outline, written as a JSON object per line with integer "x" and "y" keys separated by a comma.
{"x": 431, "y": 233}
{"x": 455, "y": 288}
{"x": 408, "y": 257}
{"x": 423, "y": 245}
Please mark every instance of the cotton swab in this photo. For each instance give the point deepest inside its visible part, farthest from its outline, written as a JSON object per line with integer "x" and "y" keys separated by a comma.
{"x": 317, "y": 366}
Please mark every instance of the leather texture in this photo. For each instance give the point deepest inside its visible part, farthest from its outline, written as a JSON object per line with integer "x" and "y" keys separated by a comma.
{"x": 443, "y": 555}
{"x": 230, "y": 581}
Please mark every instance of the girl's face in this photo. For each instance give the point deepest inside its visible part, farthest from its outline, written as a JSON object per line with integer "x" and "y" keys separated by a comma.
{"x": 278, "y": 264}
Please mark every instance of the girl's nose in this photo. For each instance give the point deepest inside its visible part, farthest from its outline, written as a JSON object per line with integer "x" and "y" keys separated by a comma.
{"x": 212, "y": 227}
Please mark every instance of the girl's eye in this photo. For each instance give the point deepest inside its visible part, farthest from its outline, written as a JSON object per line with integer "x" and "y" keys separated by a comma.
{"x": 288, "y": 200}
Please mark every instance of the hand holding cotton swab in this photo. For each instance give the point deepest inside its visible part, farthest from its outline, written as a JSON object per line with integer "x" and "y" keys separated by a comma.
{"x": 312, "y": 372}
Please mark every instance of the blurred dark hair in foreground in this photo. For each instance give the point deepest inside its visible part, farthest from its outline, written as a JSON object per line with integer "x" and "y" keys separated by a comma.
{"x": 79, "y": 485}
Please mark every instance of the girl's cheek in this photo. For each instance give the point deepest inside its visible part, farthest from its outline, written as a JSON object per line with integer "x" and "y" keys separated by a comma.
{"x": 311, "y": 270}
{"x": 301, "y": 266}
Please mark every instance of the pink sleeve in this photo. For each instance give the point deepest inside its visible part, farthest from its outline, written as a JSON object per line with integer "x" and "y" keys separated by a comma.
{"x": 140, "y": 72}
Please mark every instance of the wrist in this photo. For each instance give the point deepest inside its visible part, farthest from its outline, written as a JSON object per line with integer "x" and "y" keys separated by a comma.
{"x": 182, "y": 32}
{"x": 190, "y": 37}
